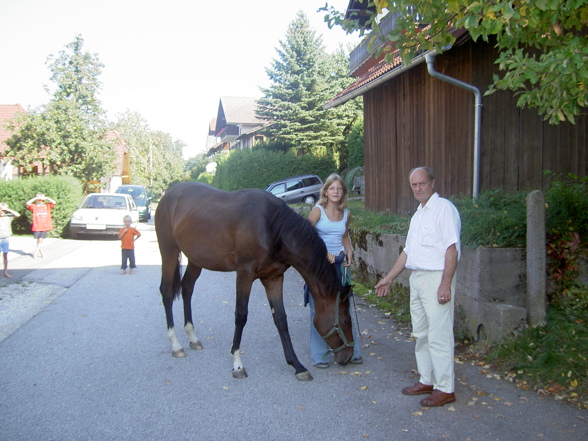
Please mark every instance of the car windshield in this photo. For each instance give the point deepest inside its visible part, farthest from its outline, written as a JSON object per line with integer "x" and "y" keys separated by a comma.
{"x": 100, "y": 201}
{"x": 137, "y": 193}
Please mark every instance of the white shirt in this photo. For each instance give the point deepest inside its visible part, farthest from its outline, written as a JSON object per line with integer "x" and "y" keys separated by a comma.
{"x": 433, "y": 229}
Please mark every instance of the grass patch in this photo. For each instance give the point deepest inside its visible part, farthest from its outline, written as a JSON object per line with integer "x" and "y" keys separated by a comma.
{"x": 371, "y": 222}
{"x": 551, "y": 359}
{"x": 396, "y": 303}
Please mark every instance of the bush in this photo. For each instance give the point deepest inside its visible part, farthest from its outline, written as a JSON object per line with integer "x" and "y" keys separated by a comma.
{"x": 495, "y": 219}
{"x": 567, "y": 233}
{"x": 205, "y": 178}
{"x": 258, "y": 168}
{"x": 65, "y": 190}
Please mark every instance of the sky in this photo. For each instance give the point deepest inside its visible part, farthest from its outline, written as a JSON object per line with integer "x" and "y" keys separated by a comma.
{"x": 170, "y": 61}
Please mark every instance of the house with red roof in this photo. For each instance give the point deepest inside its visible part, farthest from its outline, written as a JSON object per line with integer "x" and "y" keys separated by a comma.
{"x": 7, "y": 113}
{"x": 122, "y": 164}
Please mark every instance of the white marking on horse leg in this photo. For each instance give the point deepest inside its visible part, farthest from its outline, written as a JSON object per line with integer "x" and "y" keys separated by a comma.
{"x": 177, "y": 350}
{"x": 237, "y": 364}
{"x": 194, "y": 342}
{"x": 239, "y": 371}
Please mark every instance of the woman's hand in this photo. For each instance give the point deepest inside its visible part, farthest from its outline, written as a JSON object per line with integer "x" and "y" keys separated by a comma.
{"x": 330, "y": 257}
{"x": 347, "y": 261}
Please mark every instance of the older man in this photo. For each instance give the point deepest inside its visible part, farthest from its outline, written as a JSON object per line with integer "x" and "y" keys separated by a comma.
{"x": 432, "y": 252}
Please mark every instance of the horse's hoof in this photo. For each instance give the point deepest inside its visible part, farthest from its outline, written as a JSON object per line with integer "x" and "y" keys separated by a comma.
{"x": 304, "y": 376}
{"x": 196, "y": 346}
{"x": 179, "y": 353}
{"x": 239, "y": 374}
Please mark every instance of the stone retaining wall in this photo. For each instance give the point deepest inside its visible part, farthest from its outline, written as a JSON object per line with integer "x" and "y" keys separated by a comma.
{"x": 491, "y": 282}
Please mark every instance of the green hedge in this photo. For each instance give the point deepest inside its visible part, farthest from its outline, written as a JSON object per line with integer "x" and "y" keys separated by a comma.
{"x": 65, "y": 190}
{"x": 258, "y": 168}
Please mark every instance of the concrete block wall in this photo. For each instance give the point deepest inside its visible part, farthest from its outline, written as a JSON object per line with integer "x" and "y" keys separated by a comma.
{"x": 491, "y": 282}
{"x": 491, "y": 289}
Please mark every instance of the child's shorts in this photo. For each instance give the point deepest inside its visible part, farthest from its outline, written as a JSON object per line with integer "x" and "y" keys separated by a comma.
{"x": 4, "y": 245}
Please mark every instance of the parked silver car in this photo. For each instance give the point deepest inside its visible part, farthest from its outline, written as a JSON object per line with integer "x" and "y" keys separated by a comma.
{"x": 305, "y": 188}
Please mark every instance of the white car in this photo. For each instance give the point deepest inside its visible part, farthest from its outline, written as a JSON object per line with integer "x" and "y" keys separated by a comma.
{"x": 102, "y": 214}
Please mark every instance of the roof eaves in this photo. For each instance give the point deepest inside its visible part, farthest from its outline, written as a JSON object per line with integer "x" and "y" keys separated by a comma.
{"x": 380, "y": 73}
{"x": 384, "y": 71}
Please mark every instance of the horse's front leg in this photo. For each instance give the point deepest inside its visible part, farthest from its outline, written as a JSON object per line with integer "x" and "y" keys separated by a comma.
{"x": 244, "y": 283}
{"x": 274, "y": 291}
{"x": 190, "y": 276}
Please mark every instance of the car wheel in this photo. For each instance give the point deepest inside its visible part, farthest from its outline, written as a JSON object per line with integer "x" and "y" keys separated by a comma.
{"x": 309, "y": 200}
{"x": 75, "y": 236}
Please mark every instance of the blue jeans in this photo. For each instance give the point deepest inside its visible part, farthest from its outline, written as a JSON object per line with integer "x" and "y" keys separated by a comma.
{"x": 319, "y": 349}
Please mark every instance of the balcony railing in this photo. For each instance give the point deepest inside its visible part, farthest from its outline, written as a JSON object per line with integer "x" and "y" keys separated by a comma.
{"x": 229, "y": 133}
{"x": 361, "y": 54}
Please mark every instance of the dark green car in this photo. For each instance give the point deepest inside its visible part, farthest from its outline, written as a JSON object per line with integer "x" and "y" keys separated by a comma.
{"x": 141, "y": 198}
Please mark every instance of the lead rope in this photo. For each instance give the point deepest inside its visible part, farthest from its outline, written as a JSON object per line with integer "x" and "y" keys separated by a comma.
{"x": 359, "y": 336}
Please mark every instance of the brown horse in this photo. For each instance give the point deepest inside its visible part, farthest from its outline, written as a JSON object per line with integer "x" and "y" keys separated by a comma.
{"x": 257, "y": 235}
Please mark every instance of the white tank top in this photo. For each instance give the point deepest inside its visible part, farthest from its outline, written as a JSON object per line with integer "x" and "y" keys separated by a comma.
{"x": 331, "y": 232}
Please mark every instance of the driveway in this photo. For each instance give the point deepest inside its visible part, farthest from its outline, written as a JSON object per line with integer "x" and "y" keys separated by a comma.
{"x": 90, "y": 361}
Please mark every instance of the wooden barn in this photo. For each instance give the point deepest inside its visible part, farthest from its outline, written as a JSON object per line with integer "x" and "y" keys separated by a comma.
{"x": 412, "y": 118}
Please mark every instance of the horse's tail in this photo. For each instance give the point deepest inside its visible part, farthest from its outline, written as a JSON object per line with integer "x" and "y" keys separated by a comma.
{"x": 177, "y": 283}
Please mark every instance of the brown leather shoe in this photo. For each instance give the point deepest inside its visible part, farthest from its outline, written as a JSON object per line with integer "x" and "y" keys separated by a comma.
{"x": 437, "y": 399}
{"x": 418, "y": 389}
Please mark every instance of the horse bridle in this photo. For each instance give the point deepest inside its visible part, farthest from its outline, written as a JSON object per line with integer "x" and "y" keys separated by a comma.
{"x": 337, "y": 328}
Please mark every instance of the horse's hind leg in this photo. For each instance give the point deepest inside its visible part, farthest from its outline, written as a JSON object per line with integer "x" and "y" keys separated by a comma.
{"x": 190, "y": 276}
{"x": 169, "y": 287}
{"x": 274, "y": 291}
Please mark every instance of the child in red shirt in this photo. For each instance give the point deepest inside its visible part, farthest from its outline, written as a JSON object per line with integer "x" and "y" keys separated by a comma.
{"x": 41, "y": 207}
{"x": 128, "y": 235}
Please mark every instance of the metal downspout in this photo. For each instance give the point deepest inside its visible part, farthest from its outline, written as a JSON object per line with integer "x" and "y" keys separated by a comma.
{"x": 477, "y": 119}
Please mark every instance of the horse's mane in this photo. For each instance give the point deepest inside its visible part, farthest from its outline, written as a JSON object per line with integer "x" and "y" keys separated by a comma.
{"x": 287, "y": 226}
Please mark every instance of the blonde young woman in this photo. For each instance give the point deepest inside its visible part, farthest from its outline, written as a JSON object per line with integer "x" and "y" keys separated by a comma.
{"x": 331, "y": 217}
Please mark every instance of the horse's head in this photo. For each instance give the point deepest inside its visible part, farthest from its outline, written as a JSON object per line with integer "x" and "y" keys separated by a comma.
{"x": 333, "y": 323}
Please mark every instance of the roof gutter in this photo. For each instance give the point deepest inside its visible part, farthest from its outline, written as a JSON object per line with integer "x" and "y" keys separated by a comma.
{"x": 477, "y": 116}
{"x": 372, "y": 84}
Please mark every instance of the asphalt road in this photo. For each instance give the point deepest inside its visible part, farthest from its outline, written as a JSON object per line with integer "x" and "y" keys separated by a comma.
{"x": 84, "y": 356}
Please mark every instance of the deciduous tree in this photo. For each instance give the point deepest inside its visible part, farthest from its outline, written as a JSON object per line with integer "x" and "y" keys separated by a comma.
{"x": 156, "y": 158}
{"x": 66, "y": 135}
{"x": 543, "y": 44}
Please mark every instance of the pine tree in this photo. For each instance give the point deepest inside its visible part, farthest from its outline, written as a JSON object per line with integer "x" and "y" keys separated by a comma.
{"x": 303, "y": 78}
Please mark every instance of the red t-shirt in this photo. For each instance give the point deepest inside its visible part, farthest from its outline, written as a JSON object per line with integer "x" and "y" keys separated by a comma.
{"x": 128, "y": 240}
{"x": 42, "y": 216}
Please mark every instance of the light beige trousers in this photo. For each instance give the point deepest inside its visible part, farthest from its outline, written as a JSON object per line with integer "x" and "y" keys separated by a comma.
{"x": 432, "y": 329}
